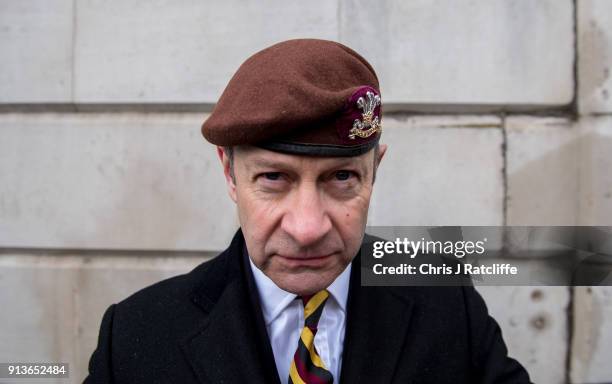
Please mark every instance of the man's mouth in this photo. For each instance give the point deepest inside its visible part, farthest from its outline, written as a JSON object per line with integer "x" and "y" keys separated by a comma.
{"x": 306, "y": 260}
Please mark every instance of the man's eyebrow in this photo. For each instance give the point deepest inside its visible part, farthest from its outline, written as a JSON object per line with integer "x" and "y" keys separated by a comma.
{"x": 259, "y": 162}
{"x": 347, "y": 163}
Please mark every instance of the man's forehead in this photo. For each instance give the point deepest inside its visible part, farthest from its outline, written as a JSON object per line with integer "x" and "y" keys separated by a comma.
{"x": 254, "y": 157}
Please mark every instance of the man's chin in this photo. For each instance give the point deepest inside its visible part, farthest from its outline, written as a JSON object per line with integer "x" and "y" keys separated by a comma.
{"x": 304, "y": 283}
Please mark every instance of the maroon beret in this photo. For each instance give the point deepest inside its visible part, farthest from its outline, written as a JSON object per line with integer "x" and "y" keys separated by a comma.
{"x": 303, "y": 96}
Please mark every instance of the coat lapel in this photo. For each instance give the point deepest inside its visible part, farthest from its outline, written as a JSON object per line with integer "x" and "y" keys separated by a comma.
{"x": 377, "y": 323}
{"x": 227, "y": 346}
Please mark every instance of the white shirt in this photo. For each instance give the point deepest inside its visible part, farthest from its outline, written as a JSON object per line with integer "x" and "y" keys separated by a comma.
{"x": 283, "y": 314}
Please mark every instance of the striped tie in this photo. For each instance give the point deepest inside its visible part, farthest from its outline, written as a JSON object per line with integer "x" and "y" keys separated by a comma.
{"x": 306, "y": 366}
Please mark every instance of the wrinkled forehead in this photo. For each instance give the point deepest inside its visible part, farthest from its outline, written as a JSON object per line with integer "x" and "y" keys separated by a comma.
{"x": 251, "y": 157}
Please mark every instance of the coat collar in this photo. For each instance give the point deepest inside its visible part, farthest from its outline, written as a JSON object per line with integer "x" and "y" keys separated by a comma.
{"x": 231, "y": 343}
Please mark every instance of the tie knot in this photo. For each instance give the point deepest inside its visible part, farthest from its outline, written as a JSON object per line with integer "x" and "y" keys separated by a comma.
{"x": 313, "y": 307}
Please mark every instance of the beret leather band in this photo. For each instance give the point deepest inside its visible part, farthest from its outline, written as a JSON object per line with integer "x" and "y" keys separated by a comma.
{"x": 319, "y": 149}
{"x": 304, "y": 96}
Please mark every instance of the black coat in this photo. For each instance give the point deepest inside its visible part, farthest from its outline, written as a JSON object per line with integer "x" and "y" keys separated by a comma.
{"x": 207, "y": 327}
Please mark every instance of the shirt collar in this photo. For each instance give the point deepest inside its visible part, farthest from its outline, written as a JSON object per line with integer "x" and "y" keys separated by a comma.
{"x": 274, "y": 300}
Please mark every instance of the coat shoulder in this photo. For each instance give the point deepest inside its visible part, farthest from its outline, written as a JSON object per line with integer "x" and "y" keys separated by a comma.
{"x": 171, "y": 297}
{"x": 141, "y": 336}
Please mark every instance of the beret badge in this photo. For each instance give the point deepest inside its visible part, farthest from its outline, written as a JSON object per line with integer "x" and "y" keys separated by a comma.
{"x": 369, "y": 124}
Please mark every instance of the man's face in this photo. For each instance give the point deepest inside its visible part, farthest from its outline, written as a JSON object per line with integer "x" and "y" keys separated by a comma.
{"x": 302, "y": 217}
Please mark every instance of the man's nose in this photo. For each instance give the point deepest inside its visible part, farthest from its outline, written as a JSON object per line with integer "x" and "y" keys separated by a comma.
{"x": 307, "y": 220}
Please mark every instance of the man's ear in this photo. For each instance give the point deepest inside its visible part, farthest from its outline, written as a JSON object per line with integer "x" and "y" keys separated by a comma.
{"x": 227, "y": 172}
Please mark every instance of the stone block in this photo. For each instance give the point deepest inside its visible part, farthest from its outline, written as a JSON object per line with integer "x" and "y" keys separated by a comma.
{"x": 534, "y": 324}
{"x": 426, "y": 53}
{"x": 53, "y": 303}
{"x": 440, "y": 171}
{"x": 594, "y": 56}
{"x": 181, "y": 52}
{"x": 38, "y": 314}
{"x": 592, "y": 335}
{"x": 595, "y": 176}
{"x": 111, "y": 181}
{"x": 542, "y": 171}
{"x": 36, "y": 45}
{"x": 104, "y": 282}
{"x": 480, "y": 52}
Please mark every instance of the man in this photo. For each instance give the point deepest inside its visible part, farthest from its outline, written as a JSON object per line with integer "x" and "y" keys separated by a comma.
{"x": 298, "y": 130}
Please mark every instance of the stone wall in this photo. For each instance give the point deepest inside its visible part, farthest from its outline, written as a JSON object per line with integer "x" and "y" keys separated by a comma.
{"x": 498, "y": 112}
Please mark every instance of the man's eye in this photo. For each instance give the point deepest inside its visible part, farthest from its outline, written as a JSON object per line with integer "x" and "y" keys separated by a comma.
{"x": 343, "y": 175}
{"x": 272, "y": 175}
